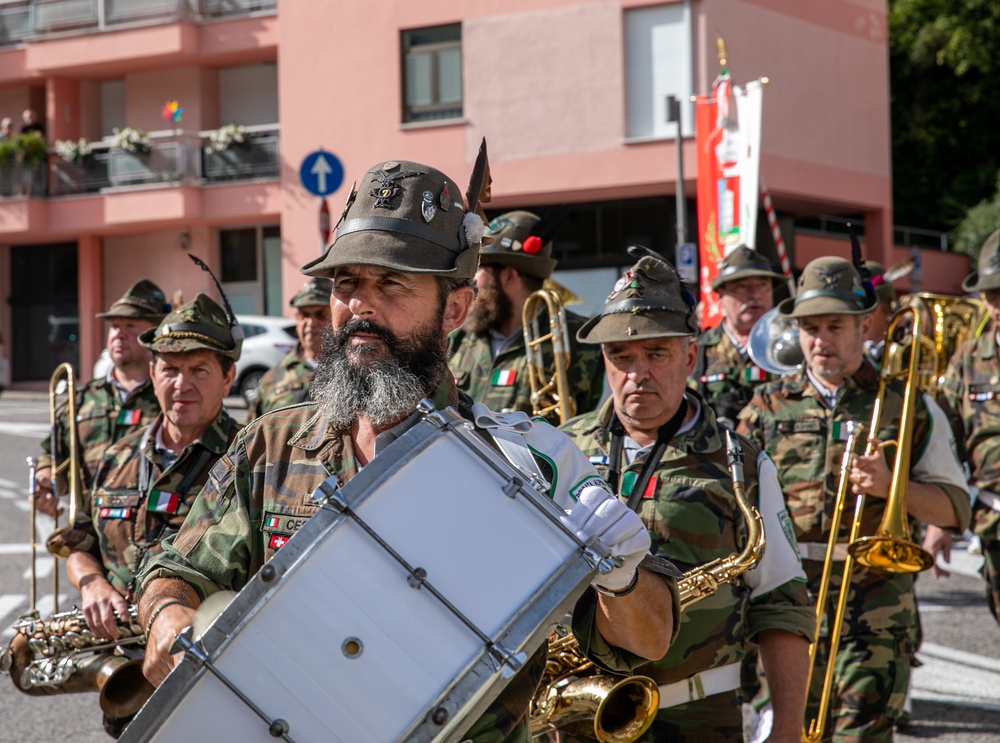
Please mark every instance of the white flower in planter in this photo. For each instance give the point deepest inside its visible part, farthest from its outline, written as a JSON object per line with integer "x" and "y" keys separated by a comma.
{"x": 229, "y": 135}
{"x": 130, "y": 140}
{"x": 75, "y": 152}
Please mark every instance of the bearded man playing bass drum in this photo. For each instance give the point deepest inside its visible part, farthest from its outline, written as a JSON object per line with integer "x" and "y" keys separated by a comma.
{"x": 801, "y": 421}
{"x": 661, "y": 448}
{"x": 401, "y": 264}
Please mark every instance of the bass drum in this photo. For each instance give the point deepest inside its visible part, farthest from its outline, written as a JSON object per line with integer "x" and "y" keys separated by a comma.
{"x": 398, "y": 612}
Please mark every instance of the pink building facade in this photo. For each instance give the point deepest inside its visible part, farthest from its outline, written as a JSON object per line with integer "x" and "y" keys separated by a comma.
{"x": 570, "y": 95}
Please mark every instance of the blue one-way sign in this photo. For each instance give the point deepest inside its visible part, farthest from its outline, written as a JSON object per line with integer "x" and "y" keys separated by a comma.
{"x": 321, "y": 173}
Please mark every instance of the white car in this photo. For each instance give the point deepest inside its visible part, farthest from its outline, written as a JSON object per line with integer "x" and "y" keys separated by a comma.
{"x": 266, "y": 341}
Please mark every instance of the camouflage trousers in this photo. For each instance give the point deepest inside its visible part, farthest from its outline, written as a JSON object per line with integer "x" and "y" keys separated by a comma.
{"x": 986, "y": 525}
{"x": 871, "y": 676}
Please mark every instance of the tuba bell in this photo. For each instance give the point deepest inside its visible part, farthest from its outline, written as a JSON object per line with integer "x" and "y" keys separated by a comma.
{"x": 773, "y": 344}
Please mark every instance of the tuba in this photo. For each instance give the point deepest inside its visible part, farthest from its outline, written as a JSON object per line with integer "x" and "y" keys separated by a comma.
{"x": 549, "y": 393}
{"x": 62, "y": 655}
{"x": 947, "y": 323}
{"x": 890, "y": 550}
{"x": 574, "y": 697}
{"x": 773, "y": 344}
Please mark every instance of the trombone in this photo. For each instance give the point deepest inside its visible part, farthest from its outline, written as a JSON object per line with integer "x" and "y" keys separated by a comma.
{"x": 62, "y": 382}
{"x": 549, "y": 394}
{"x": 890, "y": 550}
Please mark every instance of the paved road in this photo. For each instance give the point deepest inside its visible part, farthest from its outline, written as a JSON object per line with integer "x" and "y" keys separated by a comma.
{"x": 956, "y": 692}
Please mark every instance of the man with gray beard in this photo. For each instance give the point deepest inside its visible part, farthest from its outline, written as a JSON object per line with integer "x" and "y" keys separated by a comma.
{"x": 405, "y": 251}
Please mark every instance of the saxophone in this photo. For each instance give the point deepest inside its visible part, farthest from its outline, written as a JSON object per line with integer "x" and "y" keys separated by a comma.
{"x": 575, "y": 697}
{"x": 62, "y": 655}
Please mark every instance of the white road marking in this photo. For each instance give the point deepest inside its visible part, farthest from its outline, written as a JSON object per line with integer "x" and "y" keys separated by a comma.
{"x": 956, "y": 677}
{"x": 27, "y": 430}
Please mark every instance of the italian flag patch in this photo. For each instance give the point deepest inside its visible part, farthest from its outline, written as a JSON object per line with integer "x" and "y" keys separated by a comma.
{"x": 129, "y": 417}
{"x": 162, "y": 502}
{"x": 754, "y": 374}
{"x": 503, "y": 378}
{"x": 272, "y": 522}
{"x": 839, "y": 430}
{"x": 628, "y": 483}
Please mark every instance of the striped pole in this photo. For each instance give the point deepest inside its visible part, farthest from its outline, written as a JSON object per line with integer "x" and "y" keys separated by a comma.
{"x": 772, "y": 220}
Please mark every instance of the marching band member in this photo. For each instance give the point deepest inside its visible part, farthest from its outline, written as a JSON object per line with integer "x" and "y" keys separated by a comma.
{"x": 147, "y": 481}
{"x": 724, "y": 373}
{"x": 110, "y": 408}
{"x": 401, "y": 263}
{"x": 969, "y": 394}
{"x": 800, "y": 421}
{"x": 885, "y": 294}
{"x": 487, "y": 354}
{"x": 288, "y": 383}
{"x": 686, "y": 500}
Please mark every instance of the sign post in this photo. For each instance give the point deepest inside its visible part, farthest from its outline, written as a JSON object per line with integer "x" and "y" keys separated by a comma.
{"x": 322, "y": 173}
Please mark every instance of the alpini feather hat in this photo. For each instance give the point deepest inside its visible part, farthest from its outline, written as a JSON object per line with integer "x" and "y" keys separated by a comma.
{"x": 410, "y": 217}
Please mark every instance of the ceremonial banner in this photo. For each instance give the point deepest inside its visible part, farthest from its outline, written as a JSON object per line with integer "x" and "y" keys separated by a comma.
{"x": 708, "y": 135}
{"x": 749, "y": 100}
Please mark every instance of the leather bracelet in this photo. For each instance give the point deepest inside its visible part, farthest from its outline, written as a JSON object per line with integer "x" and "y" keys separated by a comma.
{"x": 158, "y": 609}
{"x": 619, "y": 594}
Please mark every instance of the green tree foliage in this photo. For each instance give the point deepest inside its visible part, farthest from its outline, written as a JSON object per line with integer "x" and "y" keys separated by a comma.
{"x": 980, "y": 222}
{"x": 945, "y": 109}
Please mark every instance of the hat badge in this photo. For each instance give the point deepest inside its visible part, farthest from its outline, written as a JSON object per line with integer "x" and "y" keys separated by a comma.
{"x": 389, "y": 187}
{"x": 427, "y": 208}
{"x": 829, "y": 277}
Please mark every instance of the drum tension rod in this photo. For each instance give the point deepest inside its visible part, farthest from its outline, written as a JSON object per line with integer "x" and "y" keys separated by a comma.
{"x": 504, "y": 660}
{"x": 184, "y": 642}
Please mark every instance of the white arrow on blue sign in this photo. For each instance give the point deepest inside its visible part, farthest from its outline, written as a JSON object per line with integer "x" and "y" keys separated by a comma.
{"x": 321, "y": 173}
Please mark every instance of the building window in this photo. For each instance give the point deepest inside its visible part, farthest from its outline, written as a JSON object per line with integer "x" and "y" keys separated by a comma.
{"x": 432, "y": 73}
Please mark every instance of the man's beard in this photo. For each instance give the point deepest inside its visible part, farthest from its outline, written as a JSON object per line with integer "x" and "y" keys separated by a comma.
{"x": 491, "y": 310}
{"x": 384, "y": 382}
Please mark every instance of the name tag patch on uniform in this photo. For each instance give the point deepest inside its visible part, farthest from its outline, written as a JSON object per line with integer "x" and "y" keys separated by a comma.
{"x": 129, "y": 417}
{"x": 117, "y": 500}
{"x": 285, "y": 523}
{"x": 809, "y": 425}
{"x": 754, "y": 374}
{"x": 709, "y": 378}
{"x": 162, "y": 502}
{"x": 115, "y": 513}
{"x": 503, "y": 378}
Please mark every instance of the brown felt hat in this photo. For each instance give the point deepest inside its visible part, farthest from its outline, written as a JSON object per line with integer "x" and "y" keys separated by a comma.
{"x": 313, "y": 293}
{"x": 647, "y": 302}
{"x": 144, "y": 300}
{"x": 987, "y": 276}
{"x": 743, "y": 263}
{"x": 515, "y": 245}
{"x": 828, "y": 286}
{"x": 404, "y": 217}
{"x": 198, "y": 325}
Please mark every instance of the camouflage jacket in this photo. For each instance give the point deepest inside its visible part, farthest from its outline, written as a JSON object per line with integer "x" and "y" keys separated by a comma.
{"x": 501, "y": 384}
{"x": 806, "y": 439}
{"x": 136, "y": 502}
{"x": 259, "y": 494}
{"x": 690, "y": 510}
{"x": 723, "y": 375}
{"x": 284, "y": 385}
{"x": 101, "y": 419}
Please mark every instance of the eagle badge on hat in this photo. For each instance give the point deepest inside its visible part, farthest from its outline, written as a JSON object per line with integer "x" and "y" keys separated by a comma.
{"x": 830, "y": 277}
{"x": 389, "y": 187}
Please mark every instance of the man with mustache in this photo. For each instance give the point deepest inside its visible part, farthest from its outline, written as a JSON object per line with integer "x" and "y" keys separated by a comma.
{"x": 148, "y": 480}
{"x": 110, "y": 408}
{"x": 288, "y": 383}
{"x": 801, "y": 421}
{"x": 401, "y": 264}
{"x": 487, "y": 354}
{"x": 724, "y": 372}
{"x": 659, "y": 445}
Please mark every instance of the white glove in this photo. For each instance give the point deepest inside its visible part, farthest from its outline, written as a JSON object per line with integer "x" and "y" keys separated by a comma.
{"x": 619, "y": 528}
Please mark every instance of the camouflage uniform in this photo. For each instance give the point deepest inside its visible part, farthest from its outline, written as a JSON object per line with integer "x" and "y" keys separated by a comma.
{"x": 692, "y": 517}
{"x": 285, "y": 384}
{"x": 269, "y": 475}
{"x": 725, "y": 376}
{"x": 805, "y": 438}
{"x": 125, "y": 525}
{"x": 502, "y": 383}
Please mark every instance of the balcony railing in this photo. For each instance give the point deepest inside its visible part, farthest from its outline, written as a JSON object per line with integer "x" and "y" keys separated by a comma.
{"x": 172, "y": 158}
{"x": 17, "y": 179}
{"x": 25, "y": 20}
